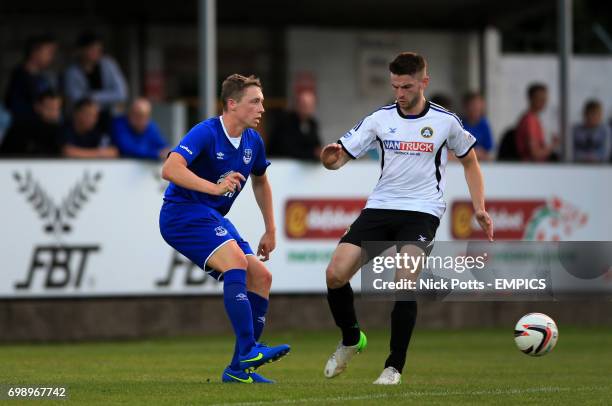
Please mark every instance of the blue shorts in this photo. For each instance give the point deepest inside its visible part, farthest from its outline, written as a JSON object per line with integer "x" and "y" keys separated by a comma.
{"x": 197, "y": 231}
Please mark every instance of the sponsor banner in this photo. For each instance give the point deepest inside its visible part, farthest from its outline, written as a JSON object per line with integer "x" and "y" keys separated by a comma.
{"x": 539, "y": 220}
{"x": 75, "y": 228}
{"x": 90, "y": 228}
{"x": 320, "y": 218}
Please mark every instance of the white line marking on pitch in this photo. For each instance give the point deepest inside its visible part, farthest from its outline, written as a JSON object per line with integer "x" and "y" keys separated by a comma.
{"x": 411, "y": 394}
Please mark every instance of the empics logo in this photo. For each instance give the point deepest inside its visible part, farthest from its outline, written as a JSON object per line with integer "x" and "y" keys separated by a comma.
{"x": 320, "y": 218}
{"x": 405, "y": 146}
{"x": 63, "y": 265}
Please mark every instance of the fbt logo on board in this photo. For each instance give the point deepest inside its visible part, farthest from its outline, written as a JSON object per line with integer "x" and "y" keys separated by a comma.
{"x": 57, "y": 265}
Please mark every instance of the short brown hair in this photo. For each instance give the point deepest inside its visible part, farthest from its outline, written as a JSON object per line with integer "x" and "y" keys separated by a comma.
{"x": 233, "y": 87}
{"x": 592, "y": 106}
{"x": 408, "y": 63}
{"x": 535, "y": 88}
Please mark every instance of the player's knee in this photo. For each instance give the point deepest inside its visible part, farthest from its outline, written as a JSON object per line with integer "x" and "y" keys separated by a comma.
{"x": 266, "y": 279}
{"x": 241, "y": 262}
{"x": 334, "y": 277}
{"x": 238, "y": 261}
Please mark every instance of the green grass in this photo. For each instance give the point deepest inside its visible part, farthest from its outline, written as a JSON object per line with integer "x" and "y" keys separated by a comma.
{"x": 444, "y": 367}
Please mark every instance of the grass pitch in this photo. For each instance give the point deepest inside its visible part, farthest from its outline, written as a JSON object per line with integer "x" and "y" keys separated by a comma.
{"x": 444, "y": 367}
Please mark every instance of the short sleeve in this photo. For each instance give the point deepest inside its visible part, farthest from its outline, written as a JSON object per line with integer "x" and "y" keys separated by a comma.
{"x": 194, "y": 143}
{"x": 261, "y": 163}
{"x": 360, "y": 138}
{"x": 460, "y": 141}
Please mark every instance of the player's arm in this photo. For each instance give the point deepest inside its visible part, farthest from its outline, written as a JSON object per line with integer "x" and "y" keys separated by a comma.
{"x": 263, "y": 195}
{"x": 333, "y": 156}
{"x": 475, "y": 182}
{"x": 175, "y": 170}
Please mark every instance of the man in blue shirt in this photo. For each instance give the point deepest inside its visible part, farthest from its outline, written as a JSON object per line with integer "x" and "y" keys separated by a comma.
{"x": 206, "y": 171}
{"x": 136, "y": 135}
{"x": 477, "y": 124}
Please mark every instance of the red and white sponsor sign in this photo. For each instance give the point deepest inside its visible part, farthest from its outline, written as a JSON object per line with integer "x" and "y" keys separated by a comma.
{"x": 543, "y": 220}
{"x": 416, "y": 146}
{"x": 320, "y": 218}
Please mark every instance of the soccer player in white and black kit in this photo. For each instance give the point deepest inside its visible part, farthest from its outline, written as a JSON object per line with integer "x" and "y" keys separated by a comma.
{"x": 415, "y": 137}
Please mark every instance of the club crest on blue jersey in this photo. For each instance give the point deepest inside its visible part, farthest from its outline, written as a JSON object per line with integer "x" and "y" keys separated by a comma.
{"x": 248, "y": 154}
{"x": 220, "y": 231}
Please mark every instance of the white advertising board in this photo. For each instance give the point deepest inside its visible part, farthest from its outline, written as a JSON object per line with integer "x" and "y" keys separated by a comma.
{"x": 90, "y": 228}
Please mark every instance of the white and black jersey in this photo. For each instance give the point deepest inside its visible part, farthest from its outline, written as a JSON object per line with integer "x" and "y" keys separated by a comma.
{"x": 414, "y": 152}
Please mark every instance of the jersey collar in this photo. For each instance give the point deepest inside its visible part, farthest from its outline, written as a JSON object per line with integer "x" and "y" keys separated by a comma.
{"x": 227, "y": 135}
{"x": 412, "y": 116}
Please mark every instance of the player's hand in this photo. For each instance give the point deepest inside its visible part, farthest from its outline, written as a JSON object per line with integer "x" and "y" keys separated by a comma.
{"x": 331, "y": 154}
{"x": 230, "y": 183}
{"x": 266, "y": 245}
{"x": 485, "y": 223}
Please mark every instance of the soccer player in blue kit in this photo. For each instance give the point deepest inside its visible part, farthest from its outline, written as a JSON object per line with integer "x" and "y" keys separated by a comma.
{"x": 206, "y": 171}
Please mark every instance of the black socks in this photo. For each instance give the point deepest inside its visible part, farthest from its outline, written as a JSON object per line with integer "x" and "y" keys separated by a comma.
{"x": 341, "y": 304}
{"x": 403, "y": 318}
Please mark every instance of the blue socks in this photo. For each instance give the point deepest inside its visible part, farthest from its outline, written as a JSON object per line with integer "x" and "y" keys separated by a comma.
{"x": 259, "y": 308}
{"x": 238, "y": 308}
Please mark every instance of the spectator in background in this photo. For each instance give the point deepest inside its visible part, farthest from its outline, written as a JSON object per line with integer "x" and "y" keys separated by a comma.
{"x": 476, "y": 123}
{"x": 297, "y": 133}
{"x": 530, "y": 142}
{"x": 39, "y": 136}
{"x": 136, "y": 135}
{"x": 592, "y": 138}
{"x": 31, "y": 78}
{"x": 83, "y": 137}
{"x": 95, "y": 76}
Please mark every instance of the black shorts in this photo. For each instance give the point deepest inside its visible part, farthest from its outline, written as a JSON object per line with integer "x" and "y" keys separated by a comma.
{"x": 393, "y": 226}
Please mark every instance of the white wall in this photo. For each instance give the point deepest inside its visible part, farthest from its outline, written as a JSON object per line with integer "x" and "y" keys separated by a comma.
{"x": 333, "y": 56}
{"x": 509, "y": 75}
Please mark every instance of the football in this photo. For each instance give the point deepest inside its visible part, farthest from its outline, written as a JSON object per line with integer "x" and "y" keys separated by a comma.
{"x": 536, "y": 334}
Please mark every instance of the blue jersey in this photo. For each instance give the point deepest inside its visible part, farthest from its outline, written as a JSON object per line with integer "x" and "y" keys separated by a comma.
{"x": 210, "y": 155}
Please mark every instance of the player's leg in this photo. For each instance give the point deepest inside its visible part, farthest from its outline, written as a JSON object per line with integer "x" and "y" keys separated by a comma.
{"x": 419, "y": 227}
{"x": 232, "y": 263}
{"x": 345, "y": 262}
{"x": 259, "y": 281}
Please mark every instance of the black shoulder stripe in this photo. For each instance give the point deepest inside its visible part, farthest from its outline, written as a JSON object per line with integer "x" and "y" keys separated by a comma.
{"x": 468, "y": 151}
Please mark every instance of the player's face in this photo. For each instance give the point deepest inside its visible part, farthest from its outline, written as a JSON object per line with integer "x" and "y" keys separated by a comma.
{"x": 250, "y": 107}
{"x": 409, "y": 89}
